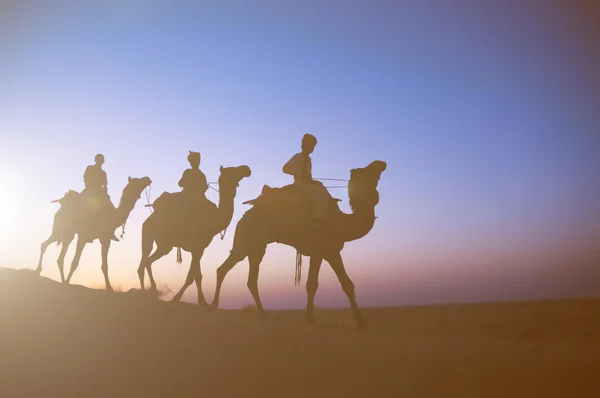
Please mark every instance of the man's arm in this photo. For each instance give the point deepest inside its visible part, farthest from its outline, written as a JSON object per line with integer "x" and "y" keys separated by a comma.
{"x": 182, "y": 179}
{"x": 86, "y": 173}
{"x": 292, "y": 167}
{"x": 204, "y": 182}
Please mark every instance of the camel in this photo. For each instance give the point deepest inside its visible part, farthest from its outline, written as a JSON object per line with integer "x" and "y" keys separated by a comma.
{"x": 282, "y": 215}
{"x": 72, "y": 219}
{"x": 169, "y": 226}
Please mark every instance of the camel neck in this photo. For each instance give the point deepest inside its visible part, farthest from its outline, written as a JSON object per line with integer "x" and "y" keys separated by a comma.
{"x": 226, "y": 199}
{"x": 125, "y": 207}
{"x": 357, "y": 224}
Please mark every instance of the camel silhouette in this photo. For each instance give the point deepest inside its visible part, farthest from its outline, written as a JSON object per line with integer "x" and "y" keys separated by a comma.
{"x": 169, "y": 226}
{"x": 282, "y": 215}
{"x": 77, "y": 217}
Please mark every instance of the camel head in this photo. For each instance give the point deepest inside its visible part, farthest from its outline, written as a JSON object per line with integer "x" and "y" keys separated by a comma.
{"x": 362, "y": 187}
{"x": 231, "y": 176}
{"x": 134, "y": 188}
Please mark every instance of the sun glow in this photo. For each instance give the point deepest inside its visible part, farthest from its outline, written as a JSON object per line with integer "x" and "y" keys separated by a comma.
{"x": 9, "y": 205}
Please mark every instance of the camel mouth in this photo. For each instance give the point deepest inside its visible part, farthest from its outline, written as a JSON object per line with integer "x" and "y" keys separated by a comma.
{"x": 378, "y": 165}
{"x": 246, "y": 172}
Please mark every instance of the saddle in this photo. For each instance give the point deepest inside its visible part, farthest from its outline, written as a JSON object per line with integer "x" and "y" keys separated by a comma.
{"x": 291, "y": 194}
{"x": 182, "y": 204}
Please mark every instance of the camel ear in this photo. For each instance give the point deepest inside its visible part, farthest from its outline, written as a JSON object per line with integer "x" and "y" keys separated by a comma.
{"x": 221, "y": 169}
{"x": 128, "y": 179}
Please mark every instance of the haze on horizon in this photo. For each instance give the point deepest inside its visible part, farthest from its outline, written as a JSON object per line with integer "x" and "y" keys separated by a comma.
{"x": 486, "y": 116}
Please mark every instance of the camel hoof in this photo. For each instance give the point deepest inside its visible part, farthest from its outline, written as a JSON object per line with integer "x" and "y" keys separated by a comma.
{"x": 362, "y": 325}
{"x": 311, "y": 320}
{"x": 175, "y": 299}
{"x": 212, "y": 308}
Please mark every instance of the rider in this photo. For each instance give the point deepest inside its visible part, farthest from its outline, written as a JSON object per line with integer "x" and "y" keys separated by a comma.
{"x": 96, "y": 184}
{"x": 300, "y": 166}
{"x": 193, "y": 180}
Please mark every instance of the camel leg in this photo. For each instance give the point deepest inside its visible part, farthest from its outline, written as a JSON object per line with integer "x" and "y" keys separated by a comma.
{"x": 75, "y": 263}
{"x": 254, "y": 259}
{"x": 61, "y": 257}
{"x": 192, "y": 276}
{"x": 222, "y": 271}
{"x": 312, "y": 283}
{"x": 43, "y": 248}
{"x": 147, "y": 244}
{"x": 160, "y": 252}
{"x": 335, "y": 260}
{"x": 105, "y": 248}
{"x": 151, "y": 277}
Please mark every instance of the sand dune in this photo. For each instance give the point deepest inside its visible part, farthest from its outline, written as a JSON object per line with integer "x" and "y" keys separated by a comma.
{"x": 58, "y": 341}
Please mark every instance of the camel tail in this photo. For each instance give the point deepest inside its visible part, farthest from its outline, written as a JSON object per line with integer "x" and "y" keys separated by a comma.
{"x": 179, "y": 259}
{"x": 298, "y": 275}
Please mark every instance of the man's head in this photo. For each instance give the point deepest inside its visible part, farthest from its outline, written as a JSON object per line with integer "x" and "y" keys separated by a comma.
{"x": 194, "y": 159}
{"x": 309, "y": 142}
{"x": 99, "y": 159}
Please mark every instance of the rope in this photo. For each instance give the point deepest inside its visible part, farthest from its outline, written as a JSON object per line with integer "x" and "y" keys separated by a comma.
{"x": 337, "y": 186}
{"x": 123, "y": 229}
{"x": 148, "y": 194}
{"x": 214, "y": 189}
{"x": 331, "y": 179}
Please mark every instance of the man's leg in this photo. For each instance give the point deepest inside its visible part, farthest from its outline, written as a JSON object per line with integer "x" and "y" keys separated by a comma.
{"x": 321, "y": 201}
{"x": 321, "y": 197}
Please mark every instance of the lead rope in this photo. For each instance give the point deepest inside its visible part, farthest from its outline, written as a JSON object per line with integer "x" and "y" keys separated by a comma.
{"x": 148, "y": 195}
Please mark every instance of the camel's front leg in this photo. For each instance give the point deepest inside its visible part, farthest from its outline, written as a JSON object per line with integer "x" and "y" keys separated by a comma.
{"x": 312, "y": 283}
{"x": 105, "y": 248}
{"x": 335, "y": 260}
{"x": 61, "y": 257}
{"x": 75, "y": 263}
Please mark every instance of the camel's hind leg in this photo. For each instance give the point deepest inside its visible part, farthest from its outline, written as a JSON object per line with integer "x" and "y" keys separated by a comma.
{"x": 43, "y": 248}
{"x": 255, "y": 258}
{"x": 335, "y": 260}
{"x": 147, "y": 244}
{"x": 312, "y": 283}
{"x": 222, "y": 271}
{"x": 63, "y": 252}
{"x": 160, "y": 252}
{"x": 194, "y": 274}
{"x": 75, "y": 263}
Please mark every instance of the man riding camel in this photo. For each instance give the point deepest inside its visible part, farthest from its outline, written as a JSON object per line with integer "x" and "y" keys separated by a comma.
{"x": 300, "y": 167}
{"x": 96, "y": 188}
{"x": 193, "y": 180}
{"x": 193, "y": 184}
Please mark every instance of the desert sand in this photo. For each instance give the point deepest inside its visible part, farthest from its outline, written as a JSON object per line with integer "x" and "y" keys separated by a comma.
{"x": 72, "y": 341}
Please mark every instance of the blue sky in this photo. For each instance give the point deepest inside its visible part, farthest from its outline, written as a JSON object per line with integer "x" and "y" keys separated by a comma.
{"x": 484, "y": 113}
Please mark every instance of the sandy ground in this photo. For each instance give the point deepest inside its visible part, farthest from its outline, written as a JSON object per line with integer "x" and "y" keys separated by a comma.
{"x": 71, "y": 341}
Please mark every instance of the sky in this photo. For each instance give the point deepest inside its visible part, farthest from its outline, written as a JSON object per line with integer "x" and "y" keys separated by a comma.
{"x": 485, "y": 112}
